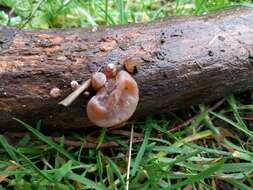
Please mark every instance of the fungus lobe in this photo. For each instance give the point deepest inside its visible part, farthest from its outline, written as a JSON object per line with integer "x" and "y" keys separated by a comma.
{"x": 115, "y": 102}
{"x": 98, "y": 80}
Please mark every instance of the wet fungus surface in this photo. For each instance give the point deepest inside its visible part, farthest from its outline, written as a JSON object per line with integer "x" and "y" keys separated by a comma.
{"x": 115, "y": 101}
{"x": 98, "y": 80}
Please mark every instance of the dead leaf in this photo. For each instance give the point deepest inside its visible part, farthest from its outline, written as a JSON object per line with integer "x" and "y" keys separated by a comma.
{"x": 9, "y": 168}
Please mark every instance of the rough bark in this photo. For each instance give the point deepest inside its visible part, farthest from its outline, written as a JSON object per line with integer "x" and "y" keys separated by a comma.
{"x": 184, "y": 61}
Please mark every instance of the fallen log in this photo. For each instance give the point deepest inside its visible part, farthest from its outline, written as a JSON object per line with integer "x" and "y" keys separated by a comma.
{"x": 183, "y": 61}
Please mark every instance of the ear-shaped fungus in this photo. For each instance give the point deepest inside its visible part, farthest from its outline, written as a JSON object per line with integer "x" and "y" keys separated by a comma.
{"x": 114, "y": 103}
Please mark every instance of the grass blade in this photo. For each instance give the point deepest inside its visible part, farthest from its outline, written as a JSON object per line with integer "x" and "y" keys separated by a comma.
{"x": 238, "y": 184}
{"x": 202, "y": 175}
{"x": 116, "y": 170}
{"x": 85, "y": 181}
{"x": 246, "y": 131}
{"x": 8, "y": 148}
{"x": 142, "y": 150}
{"x": 45, "y": 139}
{"x": 34, "y": 167}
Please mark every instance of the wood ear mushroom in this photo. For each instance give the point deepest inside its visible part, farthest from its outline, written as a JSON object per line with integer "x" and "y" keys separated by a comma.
{"x": 115, "y": 102}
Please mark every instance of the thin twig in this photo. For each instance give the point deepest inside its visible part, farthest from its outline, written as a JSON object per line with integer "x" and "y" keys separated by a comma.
{"x": 125, "y": 133}
{"x": 129, "y": 157}
{"x": 32, "y": 14}
{"x": 75, "y": 143}
{"x": 248, "y": 118}
{"x": 74, "y": 95}
{"x": 218, "y": 104}
{"x": 71, "y": 97}
{"x": 87, "y": 145}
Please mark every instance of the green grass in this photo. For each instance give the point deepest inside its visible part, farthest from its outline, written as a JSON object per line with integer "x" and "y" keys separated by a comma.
{"x": 195, "y": 148}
